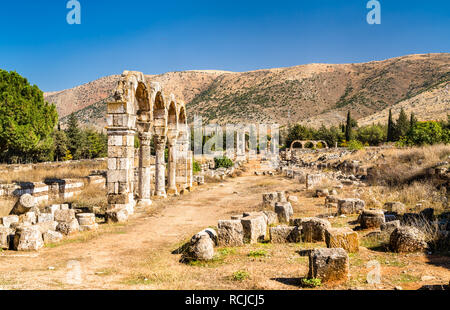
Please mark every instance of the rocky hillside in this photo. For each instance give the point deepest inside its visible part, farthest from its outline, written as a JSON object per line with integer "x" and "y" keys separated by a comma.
{"x": 312, "y": 94}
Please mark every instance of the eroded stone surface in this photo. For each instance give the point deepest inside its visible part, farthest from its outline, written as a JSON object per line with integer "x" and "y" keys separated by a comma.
{"x": 329, "y": 264}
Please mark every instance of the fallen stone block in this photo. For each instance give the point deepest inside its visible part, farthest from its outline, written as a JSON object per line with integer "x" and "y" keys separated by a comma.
{"x": 64, "y": 216}
{"x": 117, "y": 216}
{"x": 314, "y": 229}
{"x": 269, "y": 200}
{"x": 322, "y": 192}
{"x": 8, "y": 220}
{"x": 51, "y": 209}
{"x": 29, "y": 217}
{"x": 25, "y": 204}
{"x": 285, "y": 234}
{"x": 255, "y": 228}
{"x": 68, "y": 228}
{"x": 45, "y": 217}
{"x": 350, "y": 206}
{"x": 28, "y": 238}
{"x": 390, "y": 226}
{"x": 407, "y": 239}
{"x": 395, "y": 207}
{"x": 281, "y": 196}
{"x": 372, "y": 219}
{"x": 344, "y": 238}
{"x": 86, "y": 218}
{"x": 284, "y": 211}
{"x": 5, "y": 237}
{"x": 52, "y": 237}
{"x": 201, "y": 246}
{"x": 328, "y": 264}
{"x": 272, "y": 217}
{"x": 46, "y": 226}
{"x": 230, "y": 233}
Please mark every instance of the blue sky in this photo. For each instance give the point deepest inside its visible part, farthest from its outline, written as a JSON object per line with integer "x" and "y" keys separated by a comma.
{"x": 161, "y": 36}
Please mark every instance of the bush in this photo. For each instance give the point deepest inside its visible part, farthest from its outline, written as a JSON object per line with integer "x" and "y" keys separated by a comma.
{"x": 355, "y": 145}
{"x": 373, "y": 135}
{"x": 223, "y": 162}
{"x": 311, "y": 283}
{"x": 424, "y": 133}
{"x": 196, "y": 167}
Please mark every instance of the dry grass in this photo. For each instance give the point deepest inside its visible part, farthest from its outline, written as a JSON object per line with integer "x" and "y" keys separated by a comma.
{"x": 40, "y": 173}
{"x": 91, "y": 196}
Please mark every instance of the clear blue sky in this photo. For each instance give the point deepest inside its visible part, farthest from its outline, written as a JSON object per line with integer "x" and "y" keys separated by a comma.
{"x": 161, "y": 36}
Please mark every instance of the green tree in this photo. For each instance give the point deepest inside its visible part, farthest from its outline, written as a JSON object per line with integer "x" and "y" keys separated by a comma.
{"x": 73, "y": 134}
{"x": 402, "y": 126}
{"x": 391, "y": 128}
{"x": 412, "y": 121}
{"x": 60, "y": 145}
{"x": 373, "y": 135}
{"x": 298, "y": 132}
{"x": 92, "y": 145}
{"x": 425, "y": 133}
{"x": 26, "y": 120}
{"x": 348, "y": 127}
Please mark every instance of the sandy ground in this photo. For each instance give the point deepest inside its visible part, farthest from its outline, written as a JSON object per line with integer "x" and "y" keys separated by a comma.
{"x": 138, "y": 255}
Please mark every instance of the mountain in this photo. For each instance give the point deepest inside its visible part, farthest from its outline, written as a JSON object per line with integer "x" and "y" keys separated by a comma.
{"x": 311, "y": 94}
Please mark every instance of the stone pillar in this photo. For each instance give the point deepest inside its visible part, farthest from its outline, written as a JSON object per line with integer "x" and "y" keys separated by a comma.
{"x": 144, "y": 170}
{"x": 173, "y": 150}
{"x": 120, "y": 177}
{"x": 182, "y": 176}
{"x": 189, "y": 168}
{"x": 160, "y": 165}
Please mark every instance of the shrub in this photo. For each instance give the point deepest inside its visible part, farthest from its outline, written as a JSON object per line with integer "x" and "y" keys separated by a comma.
{"x": 223, "y": 162}
{"x": 355, "y": 145}
{"x": 312, "y": 283}
{"x": 426, "y": 133}
{"x": 196, "y": 167}
{"x": 240, "y": 275}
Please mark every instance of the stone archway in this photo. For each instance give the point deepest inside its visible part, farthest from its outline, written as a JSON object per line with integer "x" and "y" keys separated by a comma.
{"x": 139, "y": 108}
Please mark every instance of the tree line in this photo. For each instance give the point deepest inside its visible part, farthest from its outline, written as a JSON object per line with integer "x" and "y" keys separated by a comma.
{"x": 29, "y": 128}
{"x": 404, "y": 131}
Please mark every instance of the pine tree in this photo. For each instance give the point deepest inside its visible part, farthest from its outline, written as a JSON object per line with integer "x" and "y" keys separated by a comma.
{"x": 348, "y": 127}
{"x": 412, "y": 121}
{"x": 390, "y": 132}
{"x": 73, "y": 134}
{"x": 402, "y": 125}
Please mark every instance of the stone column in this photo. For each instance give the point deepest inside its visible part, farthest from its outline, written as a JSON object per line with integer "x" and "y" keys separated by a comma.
{"x": 160, "y": 165}
{"x": 189, "y": 168}
{"x": 144, "y": 170}
{"x": 173, "y": 167}
{"x": 182, "y": 165}
{"x": 120, "y": 176}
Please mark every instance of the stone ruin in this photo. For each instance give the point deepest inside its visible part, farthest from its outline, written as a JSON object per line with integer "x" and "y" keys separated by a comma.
{"x": 142, "y": 108}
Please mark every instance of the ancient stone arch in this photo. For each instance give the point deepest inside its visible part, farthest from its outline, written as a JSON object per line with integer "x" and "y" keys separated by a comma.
{"x": 305, "y": 142}
{"x": 142, "y": 108}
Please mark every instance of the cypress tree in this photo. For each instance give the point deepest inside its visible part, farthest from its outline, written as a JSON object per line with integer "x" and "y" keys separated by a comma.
{"x": 348, "y": 127}
{"x": 73, "y": 134}
{"x": 412, "y": 121}
{"x": 402, "y": 126}
{"x": 390, "y": 133}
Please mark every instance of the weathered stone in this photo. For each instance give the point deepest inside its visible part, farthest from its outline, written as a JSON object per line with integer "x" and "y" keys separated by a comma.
{"x": 46, "y": 226}
{"x": 25, "y": 204}
{"x": 201, "y": 246}
{"x": 328, "y": 264}
{"x": 51, "y": 209}
{"x": 45, "y": 217}
{"x": 68, "y": 228}
{"x": 5, "y": 235}
{"x": 269, "y": 200}
{"x": 322, "y": 192}
{"x": 332, "y": 199}
{"x": 314, "y": 229}
{"x": 350, "y": 206}
{"x": 395, "y": 207}
{"x": 313, "y": 180}
{"x": 255, "y": 228}
{"x": 390, "y": 226}
{"x": 86, "y": 218}
{"x": 372, "y": 219}
{"x": 344, "y": 238}
{"x": 52, "y": 237}
{"x": 272, "y": 217}
{"x": 407, "y": 239}
{"x": 29, "y": 217}
{"x": 28, "y": 238}
{"x": 8, "y": 220}
{"x": 281, "y": 196}
{"x": 284, "y": 211}
{"x": 64, "y": 216}
{"x": 117, "y": 216}
{"x": 285, "y": 234}
{"x": 230, "y": 233}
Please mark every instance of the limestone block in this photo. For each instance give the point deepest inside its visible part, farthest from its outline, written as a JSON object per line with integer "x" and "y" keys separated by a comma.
{"x": 372, "y": 219}
{"x": 68, "y": 228}
{"x": 328, "y": 264}
{"x": 255, "y": 228}
{"x": 395, "y": 207}
{"x": 51, "y": 209}
{"x": 230, "y": 233}
{"x": 272, "y": 217}
{"x": 201, "y": 246}
{"x": 8, "y": 220}
{"x": 52, "y": 237}
{"x": 25, "y": 204}
{"x": 390, "y": 226}
{"x": 28, "y": 238}
{"x": 285, "y": 234}
{"x": 29, "y": 217}
{"x": 5, "y": 235}
{"x": 117, "y": 215}
{"x": 314, "y": 229}
{"x": 65, "y": 216}
{"x": 46, "y": 226}
{"x": 45, "y": 217}
{"x": 350, "y": 206}
{"x": 86, "y": 218}
{"x": 284, "y": 211}
{"x": 407, "y": 239}
{"x": 269, "y": 200}
{"x": 344, "y": 238}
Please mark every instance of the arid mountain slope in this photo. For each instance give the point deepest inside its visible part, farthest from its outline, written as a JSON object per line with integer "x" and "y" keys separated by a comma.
{"x": 311, "y": 94}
